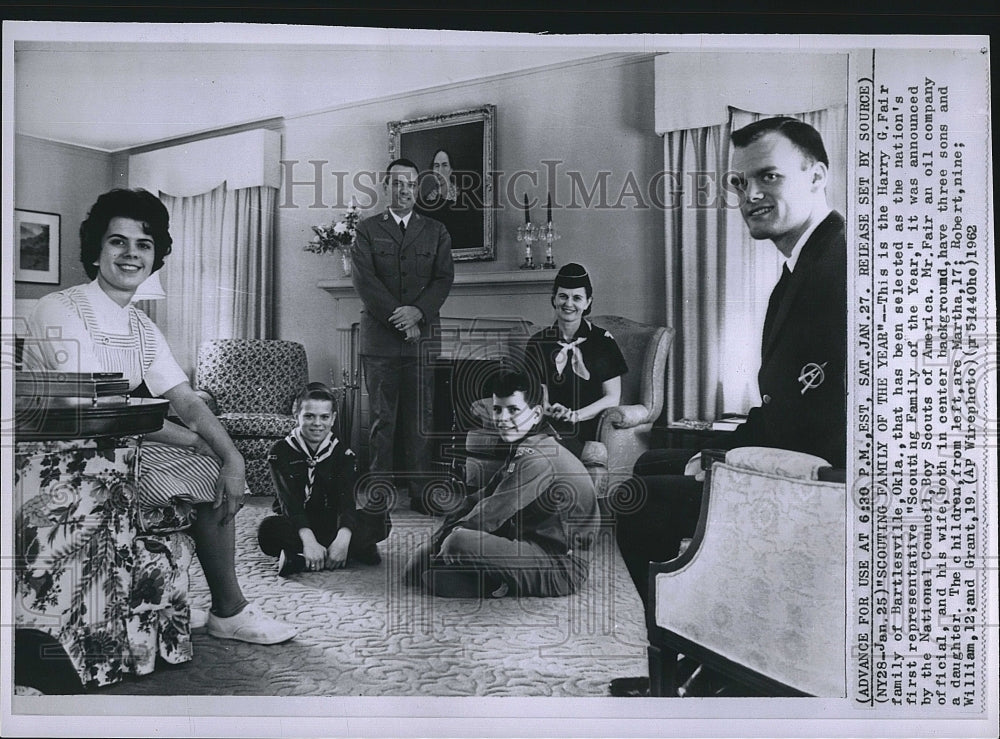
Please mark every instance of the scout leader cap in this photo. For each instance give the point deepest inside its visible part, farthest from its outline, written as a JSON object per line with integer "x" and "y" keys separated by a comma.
{"x": 573, "y": 275}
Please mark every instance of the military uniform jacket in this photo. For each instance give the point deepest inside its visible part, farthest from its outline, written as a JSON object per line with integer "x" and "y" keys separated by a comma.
{"x": 391, "y": 270}
{"x": 542, "y": 494}
{"x": 802, "y": 377}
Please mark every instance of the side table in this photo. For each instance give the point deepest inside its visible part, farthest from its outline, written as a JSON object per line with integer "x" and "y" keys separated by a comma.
{"x": 675, "y": 435}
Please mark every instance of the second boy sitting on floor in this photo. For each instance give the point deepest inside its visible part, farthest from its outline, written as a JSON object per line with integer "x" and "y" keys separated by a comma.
{"x": 529, "y": 530}
{"x": 318, "y": 526}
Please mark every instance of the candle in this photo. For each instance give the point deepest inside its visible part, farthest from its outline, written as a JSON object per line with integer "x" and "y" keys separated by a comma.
{"x": 550, "y": 208}
{"x": 527, "y": 218}
{"x": 354, "y": 203}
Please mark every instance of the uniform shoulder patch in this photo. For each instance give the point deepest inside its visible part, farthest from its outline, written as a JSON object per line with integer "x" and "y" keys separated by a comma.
{"x": 523, "y": 450}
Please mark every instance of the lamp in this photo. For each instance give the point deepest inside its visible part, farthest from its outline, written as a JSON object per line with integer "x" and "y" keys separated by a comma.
{"x": 150, "y": 289}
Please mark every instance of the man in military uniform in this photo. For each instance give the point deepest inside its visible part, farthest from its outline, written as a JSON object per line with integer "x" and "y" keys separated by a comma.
{"x": 403, "y": 273}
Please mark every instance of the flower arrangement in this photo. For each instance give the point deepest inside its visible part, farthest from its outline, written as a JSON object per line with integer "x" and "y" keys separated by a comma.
{"x": 338, "y": 236}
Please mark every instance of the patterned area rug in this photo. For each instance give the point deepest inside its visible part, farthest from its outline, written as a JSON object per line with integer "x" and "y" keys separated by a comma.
{"x": 362, "y": 632}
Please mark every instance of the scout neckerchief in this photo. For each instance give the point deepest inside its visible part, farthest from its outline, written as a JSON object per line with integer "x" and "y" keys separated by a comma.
{"x": 571, "y": 348}
{"x": 324, "y": 450}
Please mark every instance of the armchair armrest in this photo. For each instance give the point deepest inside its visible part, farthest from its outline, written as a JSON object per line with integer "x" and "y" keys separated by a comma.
{"x": 777, "y": 462}
{"x": 209, "y": 400}
{"x": 627, "y": 416}
{"x": 482, "y": 412}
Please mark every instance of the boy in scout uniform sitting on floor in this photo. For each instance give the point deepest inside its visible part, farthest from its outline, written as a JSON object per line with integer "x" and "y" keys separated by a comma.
{"x": 528, "y": 531}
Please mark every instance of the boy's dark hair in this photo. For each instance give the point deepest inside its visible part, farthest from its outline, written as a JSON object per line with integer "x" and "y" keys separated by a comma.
{"x": 805, "y": 138}
{"x": 313, "y": 391}
{"x": 400, "y": 162}
{"x": 506, "y": 383}
{"x": 139, "y": 205}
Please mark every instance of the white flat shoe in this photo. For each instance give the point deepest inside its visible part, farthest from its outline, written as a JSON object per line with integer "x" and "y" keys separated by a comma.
{"x": 199, "y": 618}
{"x": 250, "y": 625}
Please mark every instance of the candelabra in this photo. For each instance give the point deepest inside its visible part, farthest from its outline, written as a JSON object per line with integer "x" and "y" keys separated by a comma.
{"x": 548, "y": 234}
{"x": 528, "y": 233}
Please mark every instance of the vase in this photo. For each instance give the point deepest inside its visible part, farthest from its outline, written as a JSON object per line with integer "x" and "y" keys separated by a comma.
{"x": 345, "y": 262}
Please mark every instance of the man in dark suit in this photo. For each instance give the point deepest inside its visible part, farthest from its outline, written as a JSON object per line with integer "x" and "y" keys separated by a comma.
{"x": 781, "y": 174}
{"x": 403, "y": 273}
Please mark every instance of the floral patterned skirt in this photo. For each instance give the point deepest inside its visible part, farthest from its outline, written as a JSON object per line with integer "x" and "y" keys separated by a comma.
{"x": 113, "y": 596}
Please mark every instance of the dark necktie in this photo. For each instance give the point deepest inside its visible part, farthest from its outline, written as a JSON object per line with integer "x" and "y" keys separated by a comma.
{"x": 402, "y": 228}
{"x": 776, "y": 295}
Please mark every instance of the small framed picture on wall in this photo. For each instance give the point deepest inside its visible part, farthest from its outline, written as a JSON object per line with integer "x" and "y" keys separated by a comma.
{"x": 36, "y": 247}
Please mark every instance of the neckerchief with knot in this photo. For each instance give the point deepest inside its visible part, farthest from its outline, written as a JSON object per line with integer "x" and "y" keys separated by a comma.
{"x": 324, "y": 450}
{"x": 571, "y": 347}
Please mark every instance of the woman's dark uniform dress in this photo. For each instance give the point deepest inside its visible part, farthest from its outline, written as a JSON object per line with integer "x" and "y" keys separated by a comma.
{"x": 601, "y": 359}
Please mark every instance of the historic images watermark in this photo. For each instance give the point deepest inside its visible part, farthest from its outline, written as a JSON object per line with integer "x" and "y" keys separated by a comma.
{"x": 324, "y": 186}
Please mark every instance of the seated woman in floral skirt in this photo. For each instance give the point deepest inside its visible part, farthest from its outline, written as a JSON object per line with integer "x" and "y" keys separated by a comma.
{"x": 95, "y": 327}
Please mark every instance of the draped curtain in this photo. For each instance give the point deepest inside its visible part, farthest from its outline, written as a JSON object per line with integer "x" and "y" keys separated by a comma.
{"x": 218, "y": 276}
{"x": 718, "y": 279}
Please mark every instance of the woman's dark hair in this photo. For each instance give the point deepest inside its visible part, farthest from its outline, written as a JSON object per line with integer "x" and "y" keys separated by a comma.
{"x": 139, "y": 205}
{"x": 313, "y": 391}
{"x": 440, "y": 151}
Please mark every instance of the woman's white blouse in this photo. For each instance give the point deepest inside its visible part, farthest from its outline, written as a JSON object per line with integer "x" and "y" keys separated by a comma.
{"x": 81, "y": 329}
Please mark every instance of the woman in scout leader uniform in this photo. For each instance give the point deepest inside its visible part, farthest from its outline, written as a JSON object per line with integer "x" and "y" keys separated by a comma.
{"x": 578, "y": 363}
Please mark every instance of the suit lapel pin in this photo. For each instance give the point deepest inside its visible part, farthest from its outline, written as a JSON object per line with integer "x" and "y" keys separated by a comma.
{"x": 811, "y": 376}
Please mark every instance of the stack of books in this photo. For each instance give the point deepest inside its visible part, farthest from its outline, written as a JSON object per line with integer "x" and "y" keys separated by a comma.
{"x": 53, "y": 384}
{"x": 729, "y": 422}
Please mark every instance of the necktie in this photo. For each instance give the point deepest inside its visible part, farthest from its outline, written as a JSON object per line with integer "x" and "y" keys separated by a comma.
{"x": 324, "y": 450}
{"x": 571, "y": 347}
{"x": 776, "y": 295}
{"x": 402, "y": 228}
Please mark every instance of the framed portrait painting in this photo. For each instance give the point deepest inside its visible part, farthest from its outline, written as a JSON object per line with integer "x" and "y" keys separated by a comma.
{"x": 36, "y": 247}
{"x": 454, "y": 157}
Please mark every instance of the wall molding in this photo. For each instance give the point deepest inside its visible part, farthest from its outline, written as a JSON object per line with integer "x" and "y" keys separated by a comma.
{"x": 271, "y": 123}
{"x": 70, "y": 148}
{"x": 615, "y": 59}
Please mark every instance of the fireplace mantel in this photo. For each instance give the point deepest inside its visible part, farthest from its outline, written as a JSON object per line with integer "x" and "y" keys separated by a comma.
{"x": 522, "y": 282}
{"x": 521, "y": 295}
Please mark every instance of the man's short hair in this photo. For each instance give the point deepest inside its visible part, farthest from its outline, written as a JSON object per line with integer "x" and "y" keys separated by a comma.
{"x": 805, "y": 138}
{"x": 506, "y": 383}
{"x": 401, "y": 162}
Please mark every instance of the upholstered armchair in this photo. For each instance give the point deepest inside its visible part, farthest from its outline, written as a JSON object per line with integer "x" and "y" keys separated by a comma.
{"x": 250, "y": 385}
{"x": 623, "y": 431}
{"x": 759, "y": 595}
